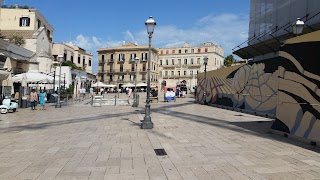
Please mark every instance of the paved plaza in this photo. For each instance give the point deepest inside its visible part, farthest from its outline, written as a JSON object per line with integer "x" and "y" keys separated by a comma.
{"x": 201, "y": 142}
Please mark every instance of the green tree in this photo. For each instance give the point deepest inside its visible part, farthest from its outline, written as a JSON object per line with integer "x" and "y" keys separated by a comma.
{"x": 229, "y": 60}
{"x": 71, "y": 64}
{"x": 18, "y": 40}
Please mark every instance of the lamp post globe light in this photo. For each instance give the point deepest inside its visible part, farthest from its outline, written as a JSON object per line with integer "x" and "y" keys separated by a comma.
{"x": 297, "y": 27}
{"x": 135, "y": 103}
{"x": 60, "y": 58}
{"x": 205, "y": 60}
{"x": 147, "y": 123}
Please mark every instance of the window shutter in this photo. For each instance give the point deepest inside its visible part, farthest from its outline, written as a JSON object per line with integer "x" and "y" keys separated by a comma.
{"x": 20, "y": 23}
{"x": 28, "y": 22}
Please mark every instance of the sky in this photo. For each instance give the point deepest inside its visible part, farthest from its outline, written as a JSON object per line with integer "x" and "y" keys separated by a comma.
{"x": 105, "y": 23}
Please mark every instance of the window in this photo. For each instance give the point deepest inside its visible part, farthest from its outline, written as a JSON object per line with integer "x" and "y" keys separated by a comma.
{"x": 173, "y": 51}
{"x": 132, "y": 67}
{"x": 179, "y": 61}
{"x": 144, "y": 67}
{"x": 167, "y": 51}
{"x": 167, "y": 62}
{"x": 111, "y": 79}
{"x": 197, "y": 71}
{"x": 161, "y": 52}
{"x": 71, "y": 59}
{"x": 184, "y": 72}
{"x": 191, "y": 72}
{"x": 89, "y": 61}
{"x": 206, "y": 50}
{"x": 154, "y": 67}
{"x": 198, "y": 60}
{"x": 192, "y": 50}
{"x": 144, "y": 56}
{"x": 172, "y": 73}
{"x": 179, "y": 73}
{"x": 199, "y": 50}
{"x": 191, "y": 60}
{"x": 133, "y": 56}
{"x": 102, "y": 57}
{"x": 215, "y": 61}
{"x": 79, "y": 59}
{"x": 24, "y": 21}
{"x": 111, "y": 57}
{"x": 166, "y": 73}
{"x": 160, "y": 73}
{"x": 160, "y": 62}
{"x": 121, "y": 57}
{"x": 121, "y": 67}
{"x": 179, "y": 51}
{"x": 39, "y": 23}
{"x": 143, "y": 77}
{"x": 172, "y": 60}
{"x": 185, "y": 51}
{"x": 185, "y": 61}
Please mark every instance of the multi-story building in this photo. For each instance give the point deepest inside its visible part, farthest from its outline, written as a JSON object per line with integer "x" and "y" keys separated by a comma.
{"x": 184, "y": 63}
{"x": 81, "y": 77}
{"x": 33, "y": 27}
{"x": 117, "y": 65}
{"x": 73, "y": 53}
{"x": 24, "y": 20}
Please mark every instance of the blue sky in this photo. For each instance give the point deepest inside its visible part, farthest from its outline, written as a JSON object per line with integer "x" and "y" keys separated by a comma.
{"x": 102, "y": 23}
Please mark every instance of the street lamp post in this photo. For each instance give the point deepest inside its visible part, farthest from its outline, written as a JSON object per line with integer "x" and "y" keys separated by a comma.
{"x": 60, "y": 57}
{"x": 135, "y": 103}
{"x": 205, "y": 59}
{"x": 147, "y": 123}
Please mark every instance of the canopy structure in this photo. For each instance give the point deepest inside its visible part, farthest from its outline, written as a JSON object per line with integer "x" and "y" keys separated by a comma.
{"x": 142, "y": 84}
{"x": 33, "y": 78}
{"x": 101, "y": 84}
{"x": 128, "y": 85}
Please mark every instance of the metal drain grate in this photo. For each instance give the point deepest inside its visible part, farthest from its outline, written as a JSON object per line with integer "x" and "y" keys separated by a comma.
{"x": 160, "y": 152}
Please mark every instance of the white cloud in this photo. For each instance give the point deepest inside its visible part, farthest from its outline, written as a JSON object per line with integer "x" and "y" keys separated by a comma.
{"x": 226, "y": 30}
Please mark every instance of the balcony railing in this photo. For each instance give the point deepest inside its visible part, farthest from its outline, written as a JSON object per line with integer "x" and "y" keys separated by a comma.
{"x": 168, "y": 66}
{"x": 143, "y": 70}
{"x": 194, "y": 65}
{"x": 110, "y": 60}
{"x": 101, "y": 63}
{"x": 121, "y": 60}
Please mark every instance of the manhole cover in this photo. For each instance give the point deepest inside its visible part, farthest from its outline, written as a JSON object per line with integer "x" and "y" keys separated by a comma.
{"x": 160, "y": 152}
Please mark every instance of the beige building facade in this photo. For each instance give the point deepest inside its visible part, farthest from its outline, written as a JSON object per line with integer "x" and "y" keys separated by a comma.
{"x": 24, "y": 20}
{"x": 73, "y": 53}
{"x": 117, "y": 65}
{"x": 184, "y": 63}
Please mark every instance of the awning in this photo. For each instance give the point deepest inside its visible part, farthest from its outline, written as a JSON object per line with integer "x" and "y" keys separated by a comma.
{"x": 101, "y": 84}
{"x": 128, "y": 85}
{"x": 142, "y": 84}
{"x": 33, "y": 78}
{"x": 4, "y": 75}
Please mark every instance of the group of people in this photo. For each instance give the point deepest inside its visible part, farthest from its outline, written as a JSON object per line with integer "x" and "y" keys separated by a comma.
{"x": 34, "y": 98}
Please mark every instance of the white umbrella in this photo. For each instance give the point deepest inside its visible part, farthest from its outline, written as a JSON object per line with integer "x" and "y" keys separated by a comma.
{"x": 33, "y": 77}
{"x": 128, "y": 85}
{"x": 141, "y": 84}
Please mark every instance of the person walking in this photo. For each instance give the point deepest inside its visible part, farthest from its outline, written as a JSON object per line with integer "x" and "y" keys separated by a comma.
{"x": 42, "y": 99}
{"x": 33, "y": 99}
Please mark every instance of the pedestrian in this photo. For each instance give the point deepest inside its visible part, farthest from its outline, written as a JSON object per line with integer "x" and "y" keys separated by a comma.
{"x": 101, "y": 90}
{"x": 91, "y": 91}
{"x": 42, "y": 99}
{"x": 129, "y": 92}
{"x": 33, "y": 99}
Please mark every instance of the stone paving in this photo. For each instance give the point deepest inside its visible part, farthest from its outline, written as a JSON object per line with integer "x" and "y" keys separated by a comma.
{"x": 202, "y": 142}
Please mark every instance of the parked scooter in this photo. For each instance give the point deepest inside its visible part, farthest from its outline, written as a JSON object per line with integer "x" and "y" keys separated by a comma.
{"x": 7, "y": 105}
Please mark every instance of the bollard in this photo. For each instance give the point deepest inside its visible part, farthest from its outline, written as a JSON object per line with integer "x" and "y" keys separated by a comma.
{"x": 92, "y": 100}
{"x": 115, "y": 100}
{"x": 137, "y": 96}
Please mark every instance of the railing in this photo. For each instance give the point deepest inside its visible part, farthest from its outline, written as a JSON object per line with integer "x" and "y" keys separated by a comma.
{"x": 110, "y": 60}
{"x": 121, "y": 61}
{"x": 168, "y": 66}
{"x": 194, "y": 65}
{"x": 101, "y": 63}
{"x": 143, "y": 70}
